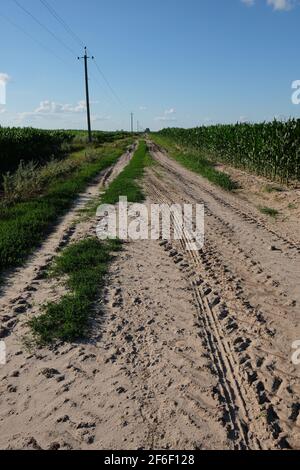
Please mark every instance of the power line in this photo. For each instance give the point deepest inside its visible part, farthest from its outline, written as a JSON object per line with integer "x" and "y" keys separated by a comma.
{"x": 62, "y": 22}
{"x": 54, "y": 13}
{"x": 108, "y": 84}
{"x": 20, "y": 28}
{"x": 77, "y": 39}
{"x": 100, "y": 85}
{"x": 45, "y": 28}
{"x": 46, "y": 48}
{"x": 25, "y": 32}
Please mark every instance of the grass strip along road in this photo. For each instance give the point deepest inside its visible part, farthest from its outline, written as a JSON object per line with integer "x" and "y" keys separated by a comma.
{"x": 86, "y": 263}
{"x": 194, "y": 161}
{"x": 24, "y": 225}
{"x": 126, "y": 184}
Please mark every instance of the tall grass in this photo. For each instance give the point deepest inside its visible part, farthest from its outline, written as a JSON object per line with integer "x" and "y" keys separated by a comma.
{"x": 30, "y": 179}
{"x": 28, "y": 144}
{"x": 24, "y": 224}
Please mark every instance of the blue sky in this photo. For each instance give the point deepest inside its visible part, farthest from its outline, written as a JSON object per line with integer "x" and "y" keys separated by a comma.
{"x": 172, "y": 62}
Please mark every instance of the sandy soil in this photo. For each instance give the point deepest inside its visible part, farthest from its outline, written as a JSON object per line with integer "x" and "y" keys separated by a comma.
{"x": 261, "y": 192}
{"x": 143, "y": 381}
{"x": 188, "y": 350}
{"x": 249, "y": 301}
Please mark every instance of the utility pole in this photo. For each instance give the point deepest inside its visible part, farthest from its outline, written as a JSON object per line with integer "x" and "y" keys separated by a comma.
{"x": 88, "y": 109}
{"x": 131, "y": 122}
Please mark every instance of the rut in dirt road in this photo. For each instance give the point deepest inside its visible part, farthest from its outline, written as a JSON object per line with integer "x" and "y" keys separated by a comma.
{"x": 248, "y": 300}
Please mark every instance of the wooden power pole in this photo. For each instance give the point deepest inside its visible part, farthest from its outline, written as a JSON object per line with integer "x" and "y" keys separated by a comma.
{"x": 87, "y": 93}
{"x": 131, "y": 115}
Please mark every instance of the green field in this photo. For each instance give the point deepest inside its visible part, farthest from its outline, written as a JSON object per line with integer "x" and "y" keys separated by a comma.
{"x": 270, "y": 149}
{"x": 29, "y": 144}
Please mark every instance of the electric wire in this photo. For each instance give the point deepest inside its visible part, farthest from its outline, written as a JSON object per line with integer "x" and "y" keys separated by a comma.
{"x": 45, "y": 28}
{"x": 56, "y": 15}
{"x": 37, "y": 41}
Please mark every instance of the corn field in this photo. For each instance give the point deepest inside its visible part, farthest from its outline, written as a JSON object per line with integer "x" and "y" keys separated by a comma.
{"x": 27, "y": 144}
{"x": 267, "y": 149}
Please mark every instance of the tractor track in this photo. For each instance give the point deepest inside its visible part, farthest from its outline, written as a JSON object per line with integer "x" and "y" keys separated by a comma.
{"x": 222, "y": 365}
{"x": 258, "y": 385}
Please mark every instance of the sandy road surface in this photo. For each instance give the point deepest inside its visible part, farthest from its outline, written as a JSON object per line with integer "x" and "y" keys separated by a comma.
{"x": 248, "y": 298}
{"x": 188, "y": 350}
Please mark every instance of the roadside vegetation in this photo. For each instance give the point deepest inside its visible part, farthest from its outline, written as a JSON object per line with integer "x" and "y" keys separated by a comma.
{"x": 100, "y": 137}
{"x": 85, "y": 264}
{"x": 39, "y": 146}
{"x": 27, "y": 144}
{"x": 195, "y": 161}
{"x": 30, "y": 179}
{"x": 35, "y": 197}
{"x": 127, "y": 183}
{"x": 269, "y": 211}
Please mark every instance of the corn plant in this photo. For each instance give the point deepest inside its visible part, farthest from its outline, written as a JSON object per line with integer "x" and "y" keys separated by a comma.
{"x": 269, "y": 149}
{"x": 27, "y": 144}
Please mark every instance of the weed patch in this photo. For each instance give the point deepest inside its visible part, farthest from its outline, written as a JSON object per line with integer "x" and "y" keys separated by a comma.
{"x": 269, "y": 211}
{"x": 85, "y": 263}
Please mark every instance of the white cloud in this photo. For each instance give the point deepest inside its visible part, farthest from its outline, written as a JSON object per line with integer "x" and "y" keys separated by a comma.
{"x": 95, "y": 119}
{"x": 278, "y": 5}
{"x": 51, "y": 111}
{"x": 143, "y": 108}
{"x": 280, "y": 117}
{"x": 4, "y": 77}
{"x": 281, "y": 4}
{"x": 170, "y": 111}
{"x": 51, "y": 108}
{"x": 168, "y": 116}
{"x": 165, "y": 119}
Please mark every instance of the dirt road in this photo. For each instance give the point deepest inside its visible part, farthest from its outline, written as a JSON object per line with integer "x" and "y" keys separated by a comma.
{"x": 192, "y": 350}
{"x": 246, "y": 288}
